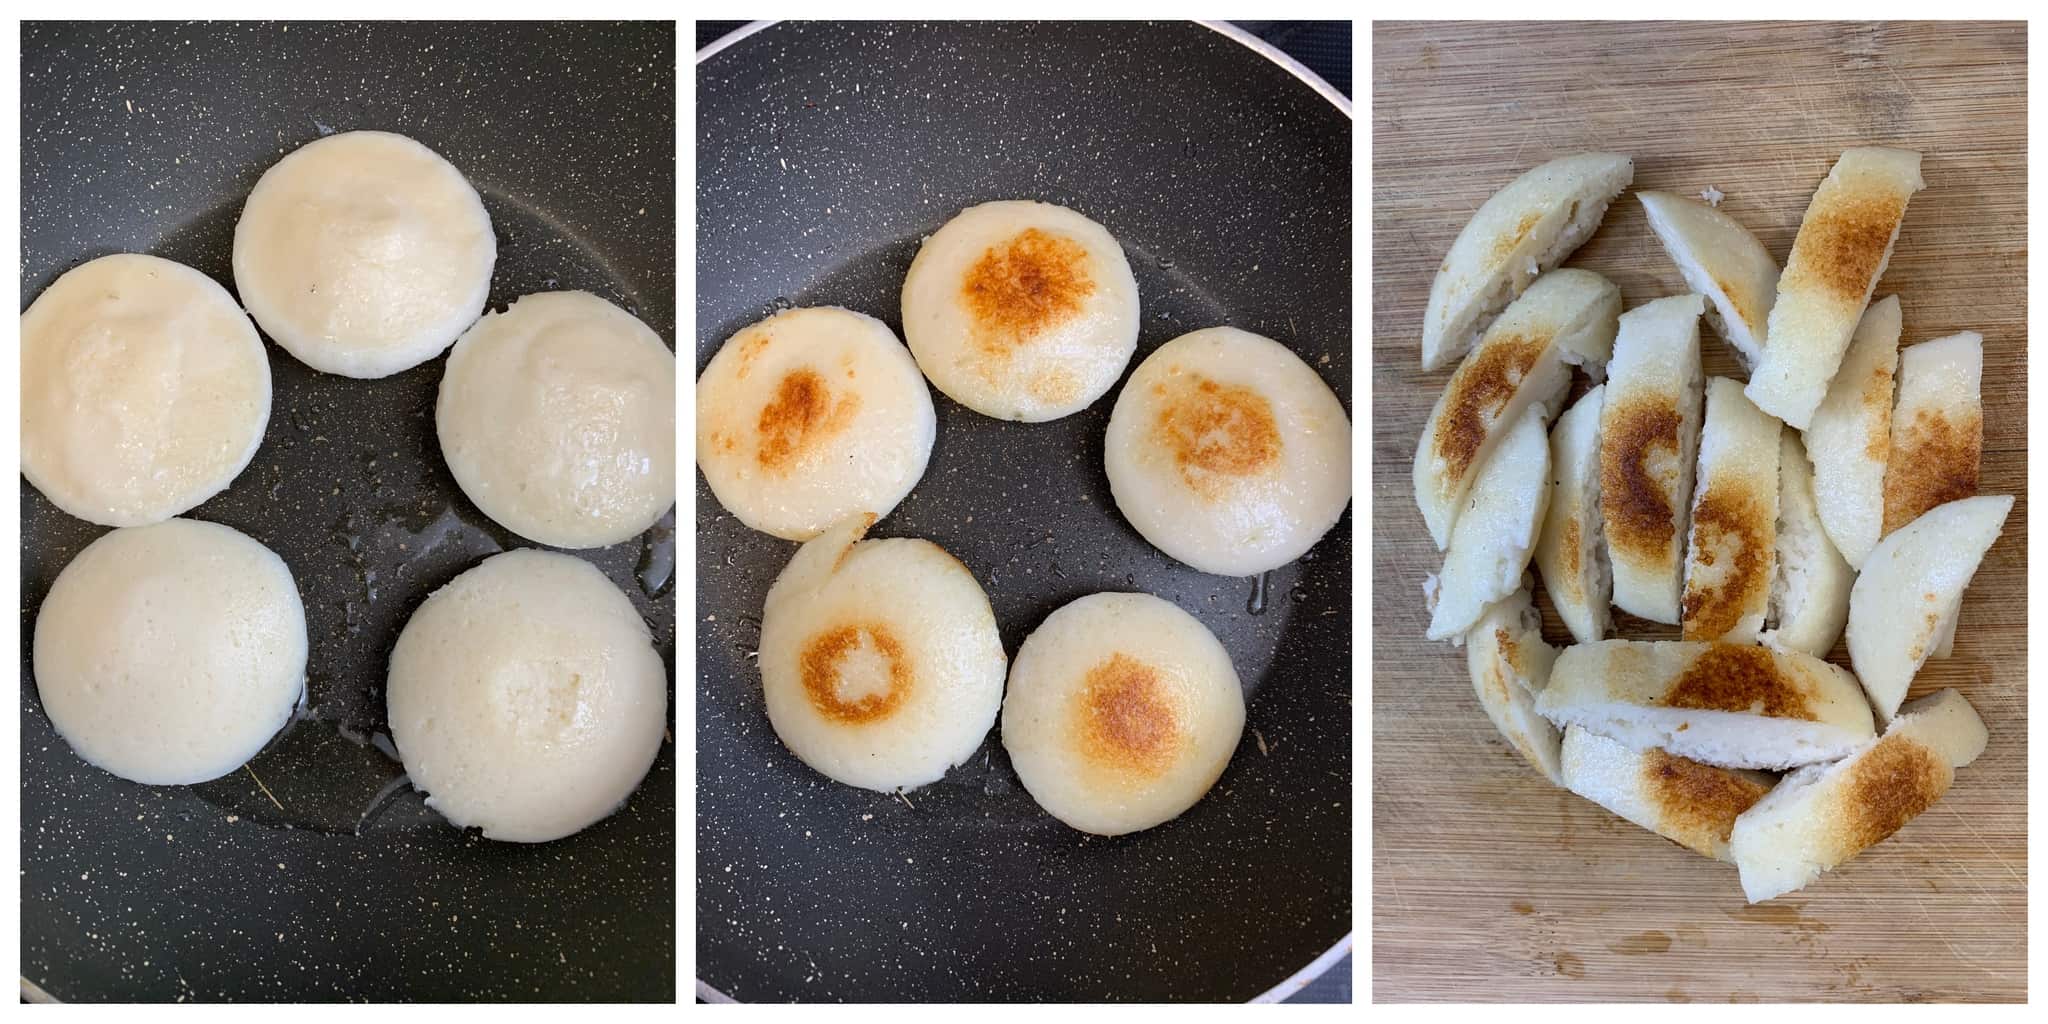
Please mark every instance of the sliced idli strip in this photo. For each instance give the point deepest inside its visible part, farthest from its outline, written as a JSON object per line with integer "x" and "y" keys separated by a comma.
{"x": 1810, "y": 587}
{"x": 1491, "y": 545}
{"x": 1570, "y": 552}
{"x": 1520, "y": 362}
{"x": 1510, "y": 664}
{"x": 880, "y": 662}
{"x": 1911, "y": 590}
{"x": 1850, "y": 436}
{"x": 1649, "y": 433}
{"x": 1720, "y": 259}
{"x": 1842, "y": 248}
{"x": 1525, "y": 229}
{"x": 1733, "y": 705}
{"x": 1937, "y": 427}
{"x": 1732, "y": 552}
{"x": 1686, "y": 801}
{"x": 1822, "y": 815}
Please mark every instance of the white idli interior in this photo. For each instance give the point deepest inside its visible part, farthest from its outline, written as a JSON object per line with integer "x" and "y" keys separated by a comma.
{"x": 1229, "y": 453}
{"x": 144, "y": 390}
{"x": 1021, "y": 310}
{"x": 526, "y": 698}
{"x": 170, "y": 654}
{"x": 558, "y": 419}
{"x": 880, "y": 660}
{"x": 811, "y": 416}
{"x": 1122, "y": 711}
{"x": 364, "y": 254}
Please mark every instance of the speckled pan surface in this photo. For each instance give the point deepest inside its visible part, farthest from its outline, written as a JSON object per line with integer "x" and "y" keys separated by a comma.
{"x": 147, "y": 138}
{"x": 825, "y": 152}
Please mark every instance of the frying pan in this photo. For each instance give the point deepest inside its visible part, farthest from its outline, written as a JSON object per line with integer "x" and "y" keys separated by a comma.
{"x": 317, "y": 874}
{"x": 825, "y": 153}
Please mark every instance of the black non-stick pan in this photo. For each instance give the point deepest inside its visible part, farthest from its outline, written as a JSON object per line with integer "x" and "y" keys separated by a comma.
{"x": 825, "y": 153}
{"x": 316, "y": 874}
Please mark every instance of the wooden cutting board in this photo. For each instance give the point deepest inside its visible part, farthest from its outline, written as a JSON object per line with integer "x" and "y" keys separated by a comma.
{"x": 1488, "y": 884}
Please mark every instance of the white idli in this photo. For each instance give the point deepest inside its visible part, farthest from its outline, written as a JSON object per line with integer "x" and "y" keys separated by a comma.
{"x": 558, "y": 419}
{"x": 880, "y": 660}
{"x": 1229, "y": 453}
{"x": 364, "y": 254}
{"x": 526, "y": 698}
{"x": 1123, "y": 710}
{"x": 811, "y": 416}
{"x": 170, "y": 654}
{"x": 144, "y": 390}
{"x": 1021, "y": 310}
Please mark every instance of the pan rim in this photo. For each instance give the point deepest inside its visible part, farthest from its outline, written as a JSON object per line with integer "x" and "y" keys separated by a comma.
{"x": 1223, "y": 28}
{"x": 1343, "y": 946}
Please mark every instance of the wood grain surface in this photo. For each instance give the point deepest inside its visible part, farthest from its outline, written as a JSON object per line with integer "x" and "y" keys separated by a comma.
{"x": 1488, "y": 884}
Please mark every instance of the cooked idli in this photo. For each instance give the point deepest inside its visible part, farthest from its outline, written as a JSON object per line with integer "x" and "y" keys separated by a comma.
{"x": 526, "y": 698}
{"x": 364, "y": 254}
{"x": 558, "y": 419}
{"x": 1123, "y": 711}
{"x": 1229, "y": 453}
{"x": 144, "y": 390}
{"x": 811, "y": 416}
{"x": 170, "y": 654}
{"x": 880, "y": 661}
{"x": 1021, "y": 310}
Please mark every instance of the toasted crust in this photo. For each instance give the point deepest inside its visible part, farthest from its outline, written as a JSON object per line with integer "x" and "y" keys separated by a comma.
{"x": 1740, "y": 677}
{"x": 1937, "y": 431}
{"x": 1519, "y": 362}
{"x": 1636, "y": 500}
{"x": 1525, "y": 229}
{"x": 1840, "y": 252}
{"x": 1696, "y": 803}
{"x": 1731, "y": 554}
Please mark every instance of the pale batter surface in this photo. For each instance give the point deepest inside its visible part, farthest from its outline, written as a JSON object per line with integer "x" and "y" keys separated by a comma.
{"x": 1021, "y": 310}
{"x": 526, "y": 698}
{"x": 364, "y": 254}
{"x": 1229, "y": 453}
{"x": 170, "y": 654}
{"x": 144, "y": 390}
{"x": 880, "y": 660}
{"x": 810, "y": 416}
{"x": 558, "y": 419}
{"x": 1122, "y": 711}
